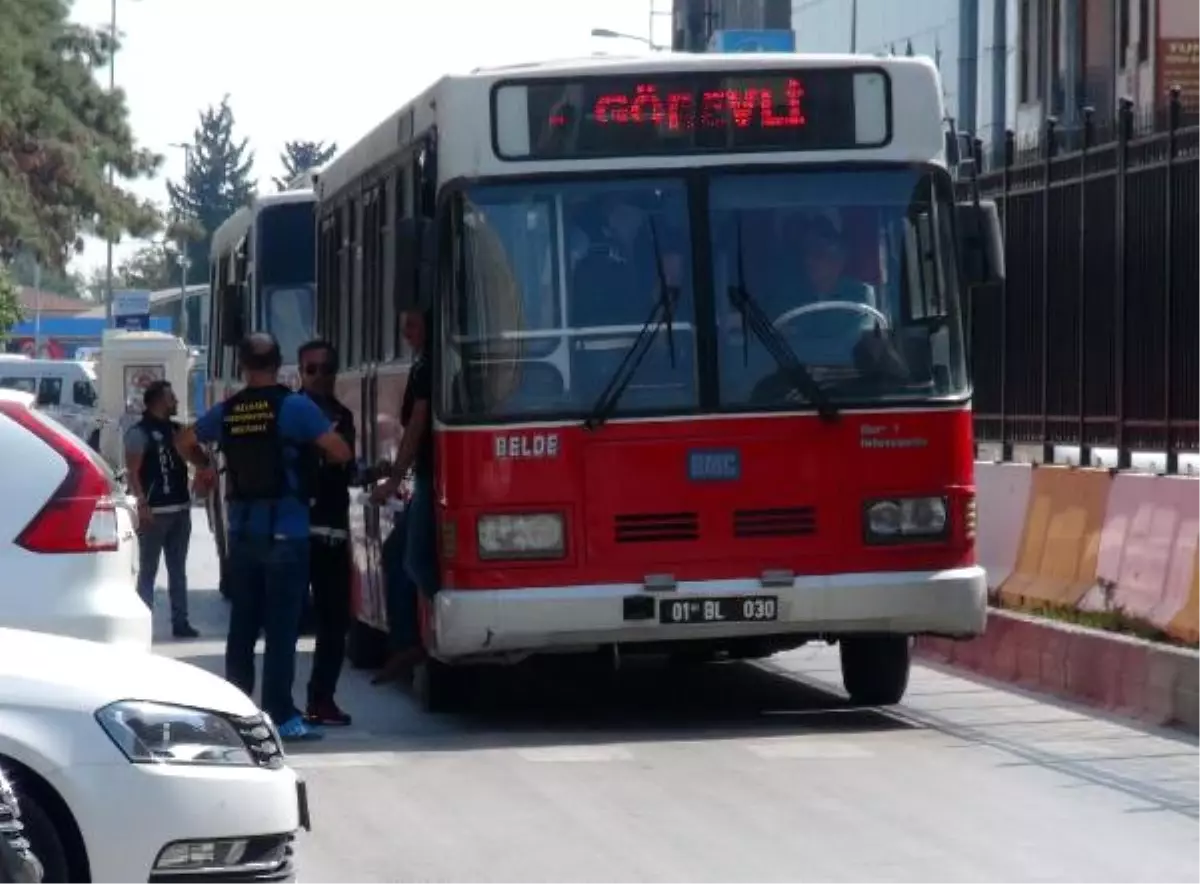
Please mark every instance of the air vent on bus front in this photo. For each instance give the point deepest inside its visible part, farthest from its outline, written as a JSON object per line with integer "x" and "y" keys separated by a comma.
{"x": 797, "y": 521}
{"x": 657, "y": 527}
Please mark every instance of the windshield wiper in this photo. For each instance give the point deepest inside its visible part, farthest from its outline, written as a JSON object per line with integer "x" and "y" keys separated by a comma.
{"x": 662, "y": 316}
{"x": 774, "y": 343}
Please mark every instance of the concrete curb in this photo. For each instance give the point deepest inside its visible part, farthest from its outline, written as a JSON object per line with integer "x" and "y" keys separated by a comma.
{"x": 1156, "y": 684}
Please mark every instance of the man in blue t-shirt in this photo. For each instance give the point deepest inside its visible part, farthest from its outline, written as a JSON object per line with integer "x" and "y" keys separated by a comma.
{"x": 262, "y": 432}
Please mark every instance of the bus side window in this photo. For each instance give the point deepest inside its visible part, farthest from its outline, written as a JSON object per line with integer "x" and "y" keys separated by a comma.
{"x": 25, "y": 385}
{"x": 84, "y": 394}
{"x": 49, "y": 392}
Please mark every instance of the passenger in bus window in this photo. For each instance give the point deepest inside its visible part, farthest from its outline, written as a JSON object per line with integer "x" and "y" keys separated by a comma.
{"x": 617, "y": 281}
{"x": 416, "y": 454}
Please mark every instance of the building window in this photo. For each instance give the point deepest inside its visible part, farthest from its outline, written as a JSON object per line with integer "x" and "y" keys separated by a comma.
{"x": 1056, "y": 103}
{"x": 1143, "y": 30}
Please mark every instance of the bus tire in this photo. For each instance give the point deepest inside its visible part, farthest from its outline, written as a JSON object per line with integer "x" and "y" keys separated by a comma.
{"x": 875, "y": 668}
{"x": 366, "y": 646}
{"x": 437, "y": 687}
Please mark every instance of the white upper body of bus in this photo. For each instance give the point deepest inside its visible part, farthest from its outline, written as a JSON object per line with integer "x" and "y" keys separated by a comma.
{"x": 496, "y": 121}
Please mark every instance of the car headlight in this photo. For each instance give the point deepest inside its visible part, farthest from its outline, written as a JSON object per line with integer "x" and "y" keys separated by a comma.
{"x": 521, "y": 536}
{"x": 907, "y": 518}
{"x": 158, "y": 733}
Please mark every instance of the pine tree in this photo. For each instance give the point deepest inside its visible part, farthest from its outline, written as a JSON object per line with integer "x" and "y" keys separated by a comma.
{"x": 217, "y": 182}
{"x": 301, "y": 156}
{"x": 59, "y": 129}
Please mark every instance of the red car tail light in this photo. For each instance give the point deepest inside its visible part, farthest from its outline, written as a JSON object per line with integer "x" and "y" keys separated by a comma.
{"x": 81, "y": 514}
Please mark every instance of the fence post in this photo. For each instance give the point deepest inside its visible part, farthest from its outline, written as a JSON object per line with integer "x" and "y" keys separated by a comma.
{"x": 1010, "y": 148}
{"x": 1173, "y": 116}
{"x": 1085, "y": 450}
{"x": 1124, "y": 134}
{"x": 1050, "y": 134}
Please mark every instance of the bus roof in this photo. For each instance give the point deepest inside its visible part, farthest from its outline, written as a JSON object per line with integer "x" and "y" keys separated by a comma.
{"x": 226, "y": 237}
{"x": 467, "y": 97}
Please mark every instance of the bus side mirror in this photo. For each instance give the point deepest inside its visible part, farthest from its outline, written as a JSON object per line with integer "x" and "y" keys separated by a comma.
{"x": 980, "y": 243}
{"x": 415, "y": 263}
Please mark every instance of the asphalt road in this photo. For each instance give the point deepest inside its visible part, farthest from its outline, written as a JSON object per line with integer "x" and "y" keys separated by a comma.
{"x": 732, "y": 772}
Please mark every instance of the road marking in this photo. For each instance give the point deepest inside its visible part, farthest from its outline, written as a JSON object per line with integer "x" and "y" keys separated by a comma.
{"x": 803, "y": 747}
{"x": 576, "y": 754}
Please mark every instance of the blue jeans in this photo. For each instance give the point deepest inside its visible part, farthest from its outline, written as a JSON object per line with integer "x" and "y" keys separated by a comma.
{"x": 268, "y": 580}
{"x": 420, "y": 545}
{"x": 400, "y": 590}
{"x": 166, "y": 535}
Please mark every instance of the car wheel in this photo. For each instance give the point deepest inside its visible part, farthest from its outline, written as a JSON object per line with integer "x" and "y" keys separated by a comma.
{"x": 45, "y": 842}
{"x": 875, "y": 668}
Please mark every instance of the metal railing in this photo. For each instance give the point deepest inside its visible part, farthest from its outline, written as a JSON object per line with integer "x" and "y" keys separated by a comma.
{"x": 1093, "y": 340}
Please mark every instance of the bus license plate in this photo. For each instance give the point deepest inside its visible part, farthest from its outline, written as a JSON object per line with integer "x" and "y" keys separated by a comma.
{"x": 744, "y": 609}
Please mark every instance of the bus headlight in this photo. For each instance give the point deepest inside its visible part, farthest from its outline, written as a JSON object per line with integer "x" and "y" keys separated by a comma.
{"x": 521, "y": 536}
{"x": 904, "y": 519}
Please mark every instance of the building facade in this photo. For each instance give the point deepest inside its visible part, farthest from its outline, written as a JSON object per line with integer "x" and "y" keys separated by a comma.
{"x": 694, "y": 21}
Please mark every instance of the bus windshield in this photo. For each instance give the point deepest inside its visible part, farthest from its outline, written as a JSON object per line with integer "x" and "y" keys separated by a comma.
{"x": 854, "y": 271}
{"x": 851, "y": 271}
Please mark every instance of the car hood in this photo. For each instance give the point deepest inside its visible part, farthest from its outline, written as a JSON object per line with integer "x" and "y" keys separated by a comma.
{"x": 41, "y": 670}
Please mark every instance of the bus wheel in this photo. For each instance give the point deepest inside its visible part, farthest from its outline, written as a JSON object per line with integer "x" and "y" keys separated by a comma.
{"x": 875, "y": 668}
{"x": 438, "y": 687}
{"x": 366, "y": 646}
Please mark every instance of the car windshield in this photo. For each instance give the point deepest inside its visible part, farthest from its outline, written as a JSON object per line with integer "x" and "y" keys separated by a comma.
{"x": 854, "y": 269}
{"x": 552, "y": 283}
{"x": 290, "y": 316}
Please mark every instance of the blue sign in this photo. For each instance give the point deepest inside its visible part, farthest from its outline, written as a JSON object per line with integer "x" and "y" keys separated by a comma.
{"x": 714, "y": 465}
{"x": 131, "y": 310}
{"x": 752, "y": 41}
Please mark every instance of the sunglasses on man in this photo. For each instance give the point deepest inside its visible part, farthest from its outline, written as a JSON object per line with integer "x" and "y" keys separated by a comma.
{"x": 328, "y": 369}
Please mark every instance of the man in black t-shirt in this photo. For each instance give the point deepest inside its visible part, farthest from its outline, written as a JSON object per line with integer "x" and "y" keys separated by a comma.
{"x": 419, "y": 525}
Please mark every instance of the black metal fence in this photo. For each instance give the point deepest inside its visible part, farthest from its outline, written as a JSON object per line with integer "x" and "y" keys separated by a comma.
{"x": 1093, "y": 340}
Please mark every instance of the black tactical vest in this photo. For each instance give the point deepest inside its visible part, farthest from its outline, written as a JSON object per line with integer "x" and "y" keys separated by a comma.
{"x": 163, "y": 474}
{"x": 253, "y": 446}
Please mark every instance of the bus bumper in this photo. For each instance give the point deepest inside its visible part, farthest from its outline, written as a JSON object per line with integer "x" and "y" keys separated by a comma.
{"x": 471, "y": 623}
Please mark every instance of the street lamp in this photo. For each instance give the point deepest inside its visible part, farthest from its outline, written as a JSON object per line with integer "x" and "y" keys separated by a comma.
{"x": 112, "y": 87}
{"x": 183, "y": 260}
{"x": 620, "y": 35}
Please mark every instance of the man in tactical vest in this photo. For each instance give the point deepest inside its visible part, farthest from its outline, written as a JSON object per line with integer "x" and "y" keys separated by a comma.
{"x": 329, "y": 528}
{"x": 158, "y": 478}
{"x": 262, "y": 432}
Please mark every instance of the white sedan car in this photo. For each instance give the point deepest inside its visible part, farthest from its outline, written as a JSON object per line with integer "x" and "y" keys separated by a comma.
{"x": 68, "y": 542}
{"x": 133, "y": 767}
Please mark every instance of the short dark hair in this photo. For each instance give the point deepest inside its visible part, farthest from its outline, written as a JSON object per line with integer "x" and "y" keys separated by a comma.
{"x": 259, "y": 351}
{"x": 154, "y": 392}
{"x": 318, "y": 344}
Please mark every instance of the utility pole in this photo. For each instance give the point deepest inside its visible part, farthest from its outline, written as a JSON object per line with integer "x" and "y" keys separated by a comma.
{"x": 853, "y": 26}
{"x": 37, "y": 310}
{"x": 112, "y": 86}
{"x": 183, "y": 260}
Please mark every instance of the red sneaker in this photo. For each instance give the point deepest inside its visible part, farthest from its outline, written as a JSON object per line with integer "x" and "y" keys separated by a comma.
{"x": 327, "y": 714}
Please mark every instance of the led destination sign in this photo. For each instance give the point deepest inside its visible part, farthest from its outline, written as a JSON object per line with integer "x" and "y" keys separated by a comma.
{"x": 701, "y": 112}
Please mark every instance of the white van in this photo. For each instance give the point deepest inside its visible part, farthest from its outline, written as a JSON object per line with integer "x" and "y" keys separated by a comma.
{"x": 62, "y": 387}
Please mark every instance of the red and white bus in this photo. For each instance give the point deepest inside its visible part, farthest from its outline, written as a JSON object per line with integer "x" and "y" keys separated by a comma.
{"x": 700, "y": 375}
{"x": 261, "y": 278}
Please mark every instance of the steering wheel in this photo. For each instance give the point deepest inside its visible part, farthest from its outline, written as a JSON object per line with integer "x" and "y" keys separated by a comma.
{"x": 821, "y": 306}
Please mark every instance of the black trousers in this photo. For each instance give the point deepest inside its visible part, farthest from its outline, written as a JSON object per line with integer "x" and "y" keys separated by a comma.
{"x": 330, "y": 574}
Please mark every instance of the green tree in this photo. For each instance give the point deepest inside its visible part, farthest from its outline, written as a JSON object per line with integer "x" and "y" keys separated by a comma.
{"x": 151, "y": 267}
{"x": 300, "y": 156}
{"x": 24, "y": 271}
{"x": 10, "y": 304}
{"x": 59, "y": 131}
{"x": 218, "y": 181}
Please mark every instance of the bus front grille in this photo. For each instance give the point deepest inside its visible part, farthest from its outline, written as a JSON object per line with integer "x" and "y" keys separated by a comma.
{"x": 657, "y": 527}
{"x": 800, "y": 521}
